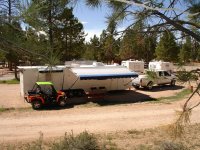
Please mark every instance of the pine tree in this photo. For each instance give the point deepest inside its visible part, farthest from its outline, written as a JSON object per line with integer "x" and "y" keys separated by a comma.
{"x": 68, "y": 35}
{"x": 127, "y": 50}
{"x": 137, "y": 45}
{"x": 149, "y": 47}
{"x": 167, "y": 49}
{"x": 65, "y": 32}
{"x": 185, "y": 51}
{"x": 111, "y": 46}
{"x": 93, "y": 49}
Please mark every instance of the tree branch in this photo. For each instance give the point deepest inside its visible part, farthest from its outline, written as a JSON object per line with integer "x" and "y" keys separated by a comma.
{"x": 189, "y": 23}
{"x": 177, "y": 25}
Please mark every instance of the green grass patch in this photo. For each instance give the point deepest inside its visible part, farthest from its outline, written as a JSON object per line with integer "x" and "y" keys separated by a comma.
{"x": 2, "y": 110}
{"x": 12, "y": 81}
{"x": 180, "y": 95}
{"x": 5, "y": 109}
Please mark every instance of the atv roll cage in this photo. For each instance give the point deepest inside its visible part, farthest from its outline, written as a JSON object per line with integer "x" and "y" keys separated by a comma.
{"x": 44, "y": 93}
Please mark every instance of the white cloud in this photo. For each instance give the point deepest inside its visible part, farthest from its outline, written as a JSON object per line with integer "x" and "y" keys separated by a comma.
{"x": 91, "y": 32}
{"x": 121, "y": 28}
{"x": 84, "y": 22}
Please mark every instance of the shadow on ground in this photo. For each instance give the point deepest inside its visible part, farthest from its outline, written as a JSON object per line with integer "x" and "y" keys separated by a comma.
{"x": 115, "y": 98}
{"x": 110, "y": 98}
{"x": 163, "y": 88}
{"x": 123, "y": 97}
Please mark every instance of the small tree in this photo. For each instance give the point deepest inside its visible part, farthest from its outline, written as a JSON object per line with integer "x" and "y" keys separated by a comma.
{"x": 183, "y": 116}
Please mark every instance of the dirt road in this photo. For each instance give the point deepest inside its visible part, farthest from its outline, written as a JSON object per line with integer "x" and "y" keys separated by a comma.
{"x": 27, "y": 123}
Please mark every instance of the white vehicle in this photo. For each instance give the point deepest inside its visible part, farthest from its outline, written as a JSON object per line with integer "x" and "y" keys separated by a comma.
{"x": 161, "y": 65}
{"x": 162, "y": 78}
{"x": 136, "y": 66}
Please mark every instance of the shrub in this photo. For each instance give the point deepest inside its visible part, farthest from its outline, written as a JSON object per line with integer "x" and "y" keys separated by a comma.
{"x": 36, "y": 145}
{"x": 83, "y": 141}
{"x": 169, "y": 145}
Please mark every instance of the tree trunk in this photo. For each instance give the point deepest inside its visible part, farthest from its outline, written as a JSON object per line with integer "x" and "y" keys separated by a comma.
{"x": 50, "y": 24}
{"x": 9, "y": 10}
{"x": 66, "y": 56}
{"x": 10, "y": 65}
{"x": 16, "y": 75}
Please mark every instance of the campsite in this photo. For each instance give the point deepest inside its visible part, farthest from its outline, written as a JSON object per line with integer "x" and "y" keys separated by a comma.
{"x": 119, "y": 111}
{"x": 99, "y": 75}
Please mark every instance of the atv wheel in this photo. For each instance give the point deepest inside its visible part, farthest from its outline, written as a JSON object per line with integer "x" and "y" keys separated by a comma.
{"x": 36, "y": 104}
{"x": 150, "y": 85}
{"x": 173, "y": 83}
{"x": 62, "y": 102}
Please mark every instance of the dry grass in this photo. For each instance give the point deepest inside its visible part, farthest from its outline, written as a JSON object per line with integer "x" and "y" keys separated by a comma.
{"x": 156, "y": 139}
{"x": 149, "y": 139}
{"x": 11, "y": 109}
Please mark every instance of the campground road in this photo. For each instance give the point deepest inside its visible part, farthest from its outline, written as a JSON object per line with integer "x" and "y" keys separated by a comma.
{"x": 20, "y": 125}
{"x": 26, "y": 123}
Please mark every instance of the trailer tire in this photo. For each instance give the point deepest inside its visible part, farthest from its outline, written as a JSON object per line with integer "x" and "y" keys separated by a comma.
{"x": 36, "y": 104}
{"x": 136, "y": 87}
{"x": 150, "y": 85}
{"x": 62, "y": 102}
{"x": 173, "y": 83}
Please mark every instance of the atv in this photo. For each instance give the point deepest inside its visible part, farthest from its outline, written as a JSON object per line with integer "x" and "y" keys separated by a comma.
{"x": 44, "y": 93}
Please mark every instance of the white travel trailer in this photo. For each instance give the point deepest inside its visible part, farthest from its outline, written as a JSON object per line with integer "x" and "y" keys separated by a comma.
{"x": 160, "y": 65}
{"x": 137, "y": 66}
{"x": 87, "y": 77}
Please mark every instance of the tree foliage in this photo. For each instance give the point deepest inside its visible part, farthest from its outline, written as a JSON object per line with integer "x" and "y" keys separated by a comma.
{"x": 185, "y": 51}
{"x": 51, "y": 30}
{"x": 138, "y": 46}
{"x": 165, "y": 14}
{"x": 93, "y": 49}
{"x": 65, "y": 32}
{"x": 167, "y": 49}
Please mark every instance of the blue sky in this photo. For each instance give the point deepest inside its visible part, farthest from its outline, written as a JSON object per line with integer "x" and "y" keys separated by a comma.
{"x": 93, "y": 19}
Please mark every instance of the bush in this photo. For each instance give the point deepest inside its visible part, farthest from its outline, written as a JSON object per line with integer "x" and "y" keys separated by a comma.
{"x": 169, "y": 145}
{"x": 36, "y": 145}
{"x": 83, "y": 141}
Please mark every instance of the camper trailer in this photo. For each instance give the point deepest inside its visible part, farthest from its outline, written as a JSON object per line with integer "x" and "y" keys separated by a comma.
{"x": 137, "y": 66}
{"x": 160, "y": 65}
{"x": 84, "y": 78}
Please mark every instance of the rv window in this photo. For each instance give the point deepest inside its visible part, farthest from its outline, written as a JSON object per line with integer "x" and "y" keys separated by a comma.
{"x": 161, "y": 74}
{"x": 166, "y": 73}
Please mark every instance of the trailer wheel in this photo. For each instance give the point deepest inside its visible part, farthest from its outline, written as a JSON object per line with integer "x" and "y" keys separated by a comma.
{"x": 36, "y": 104}
{"x": 136, "y": 87}
{"x": 62, "y": 102}
{"x": 173, "y": 83}
{"x": 150, "y": 85}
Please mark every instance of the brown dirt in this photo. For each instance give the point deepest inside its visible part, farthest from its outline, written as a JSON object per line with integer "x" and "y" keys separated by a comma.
{"x": 10, "y": 96}
{"x": 27, "y": 123}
